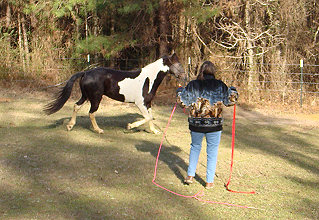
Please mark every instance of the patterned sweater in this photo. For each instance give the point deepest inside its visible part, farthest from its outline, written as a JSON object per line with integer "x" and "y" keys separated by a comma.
{"x": 206, "y": 98}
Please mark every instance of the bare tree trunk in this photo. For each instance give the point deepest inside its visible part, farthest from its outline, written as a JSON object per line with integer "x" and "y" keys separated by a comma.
{"x": 252, "y": 74}
{"x": 95, "y": 28}
{"x": 112, "y": 31}
{"x": 77, "y": 23}
{"x": 8, "y": 16}
{"x": 182, "y": 39}
{"x": 95, "y": 23}
{"x": 21, "y": 43}
{"x": 163, "y": 28}
{"x": 25, "y": 41}
{"x": 163, "y": 33}
{"x": 33, "y": 17}
{"x": 251, "y": 69}
{"x": 86, "y": 36}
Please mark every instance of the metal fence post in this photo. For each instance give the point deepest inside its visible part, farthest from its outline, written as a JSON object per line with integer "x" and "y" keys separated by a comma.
{"x": 301, "y": 80}
{"x": 189, "y": 69}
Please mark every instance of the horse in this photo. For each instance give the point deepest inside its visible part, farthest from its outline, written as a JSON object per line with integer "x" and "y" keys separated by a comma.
{"x": 138, "y": 86}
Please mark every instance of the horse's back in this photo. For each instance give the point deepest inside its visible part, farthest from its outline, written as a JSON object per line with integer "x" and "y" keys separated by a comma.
{"x": 104, "y": 73}
{"x": 105, "y": 81}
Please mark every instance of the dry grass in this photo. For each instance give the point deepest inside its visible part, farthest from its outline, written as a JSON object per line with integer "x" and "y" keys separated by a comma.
{"x": 49, "y": 173}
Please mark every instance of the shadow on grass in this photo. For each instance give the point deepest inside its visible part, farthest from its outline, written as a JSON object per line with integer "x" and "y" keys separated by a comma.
{"x": 168, "y": 154}
{"x": 170, "y": 158}
{"x": 279, "y": 141}
{"x": 307, "y": 183}
{"x": 294, "y": 145}
{"x": 120, "y": 121}
{"x": 43, "y": 194}
{"x": 56, "y": 178}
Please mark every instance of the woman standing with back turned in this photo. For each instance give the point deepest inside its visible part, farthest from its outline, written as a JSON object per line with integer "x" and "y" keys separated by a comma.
{"x": 205, "y": 97}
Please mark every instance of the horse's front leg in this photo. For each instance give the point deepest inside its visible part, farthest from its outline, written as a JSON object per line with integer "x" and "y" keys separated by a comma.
{"x": 147, "y": 114}
{"x": 151, "y": 124}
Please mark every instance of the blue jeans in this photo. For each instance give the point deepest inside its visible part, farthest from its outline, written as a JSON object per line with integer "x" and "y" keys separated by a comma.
{"x": 212, "y": 140}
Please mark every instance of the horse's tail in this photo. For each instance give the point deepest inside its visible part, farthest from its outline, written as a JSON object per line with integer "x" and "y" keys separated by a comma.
{"x": 62, "y": 96}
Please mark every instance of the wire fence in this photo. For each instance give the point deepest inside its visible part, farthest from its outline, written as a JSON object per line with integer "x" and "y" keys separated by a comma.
{"x": 302, "y": 78}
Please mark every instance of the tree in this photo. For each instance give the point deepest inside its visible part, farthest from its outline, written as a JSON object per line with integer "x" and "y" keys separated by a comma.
{"x": 163, "y": 28}
{"x": 237, "y": 35}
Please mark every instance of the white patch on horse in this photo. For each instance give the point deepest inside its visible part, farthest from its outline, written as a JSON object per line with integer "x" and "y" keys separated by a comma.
{"x": 132, "y": 89}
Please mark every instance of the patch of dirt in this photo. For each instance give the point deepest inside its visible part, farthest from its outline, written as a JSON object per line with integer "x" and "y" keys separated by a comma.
{"x": 5, "y": 100}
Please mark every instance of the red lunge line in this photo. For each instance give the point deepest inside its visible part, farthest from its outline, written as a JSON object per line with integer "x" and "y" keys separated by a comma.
{"x": 160, "y": 147}
{"x": 200, "y": 193}
{"x": 232, "y": 155}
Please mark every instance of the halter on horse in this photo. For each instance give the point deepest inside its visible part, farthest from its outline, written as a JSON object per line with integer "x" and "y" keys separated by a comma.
{"x": 137, "y": 87}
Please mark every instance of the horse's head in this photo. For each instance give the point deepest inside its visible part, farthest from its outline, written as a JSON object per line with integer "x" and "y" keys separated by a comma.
{"x": 175, "y": 67}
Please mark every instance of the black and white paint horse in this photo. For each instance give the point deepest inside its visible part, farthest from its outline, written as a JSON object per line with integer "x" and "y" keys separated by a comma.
{"x": 137, "y": 87}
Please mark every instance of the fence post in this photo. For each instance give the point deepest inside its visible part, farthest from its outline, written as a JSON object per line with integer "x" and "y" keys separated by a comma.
{"x": 301, "y": 80}
{"x": 189, "y": 68}
{"x": 88, "y": 58}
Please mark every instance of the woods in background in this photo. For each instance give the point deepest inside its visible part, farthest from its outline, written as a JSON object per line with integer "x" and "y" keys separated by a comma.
{"x": 37, "y": 36}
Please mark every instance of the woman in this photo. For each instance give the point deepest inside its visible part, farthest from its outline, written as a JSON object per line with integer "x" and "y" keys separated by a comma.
{"x": 205, "y": 96}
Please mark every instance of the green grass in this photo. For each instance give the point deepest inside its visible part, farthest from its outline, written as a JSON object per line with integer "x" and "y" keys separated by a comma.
{"x": 47, "y": 172}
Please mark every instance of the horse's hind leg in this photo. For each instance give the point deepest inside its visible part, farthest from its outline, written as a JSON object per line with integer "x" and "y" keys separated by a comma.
{"x": 95, "y": 102}
{"x": 76, "y": 108}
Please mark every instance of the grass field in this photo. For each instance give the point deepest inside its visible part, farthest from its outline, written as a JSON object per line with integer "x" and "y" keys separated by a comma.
{"x": 47, "y": 172}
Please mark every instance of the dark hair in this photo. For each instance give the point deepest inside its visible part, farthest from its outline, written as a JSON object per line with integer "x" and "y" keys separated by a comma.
{"x": 207, "y": 68}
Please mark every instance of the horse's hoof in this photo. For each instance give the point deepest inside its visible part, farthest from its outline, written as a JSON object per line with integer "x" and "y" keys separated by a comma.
{"x": 69, "y": 127}
{"x": 99, "y": 131}
{"x": 154, "y": 131}
{"x": 129, "y": 126}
